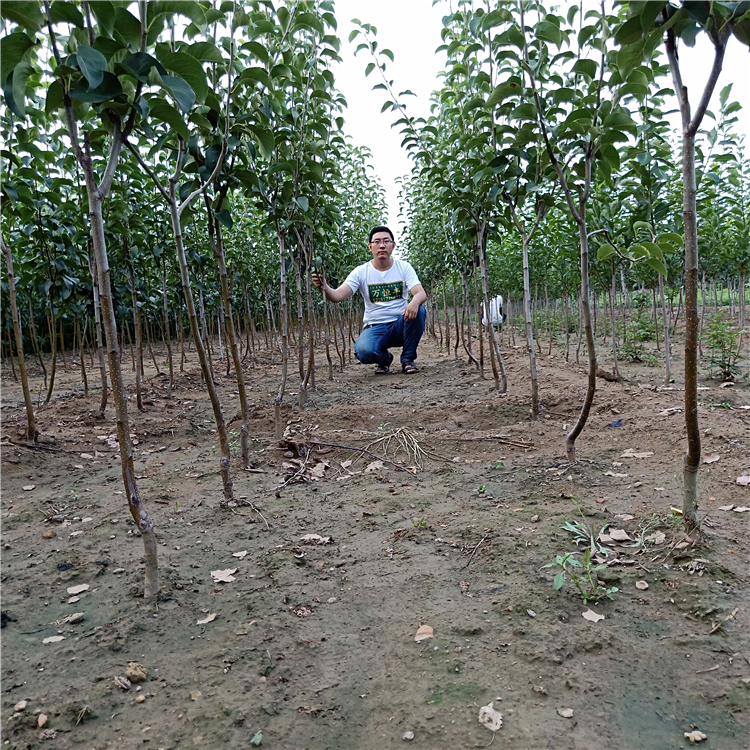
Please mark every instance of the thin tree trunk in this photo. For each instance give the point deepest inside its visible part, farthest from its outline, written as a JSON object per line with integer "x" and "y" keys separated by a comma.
{"x": 137, "y": 334}
{"x": 529, "y": 328}
{"x": 447, "y": 321}
{"x": 31, "y": 431}
{"x": 35, "y": 343}
{"x": 613, "y": 292}
{"x": 62, "y": 346}
{"x": 167, "y": 332}
{"x": 455, "y": 316}
{"x": 84, "y": 377}
{"x": 284, "y": 325}
{"x": 53, "y": 345}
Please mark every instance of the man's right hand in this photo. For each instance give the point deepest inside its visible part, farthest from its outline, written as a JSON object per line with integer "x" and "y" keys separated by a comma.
{"x": 318, "y": 280}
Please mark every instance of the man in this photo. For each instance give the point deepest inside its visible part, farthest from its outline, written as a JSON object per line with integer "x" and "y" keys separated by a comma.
{"x": 389, "y": 320}
{"x": 497, "y": 316}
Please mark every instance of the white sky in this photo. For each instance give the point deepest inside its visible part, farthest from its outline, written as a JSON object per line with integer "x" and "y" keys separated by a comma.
{"x": 411, "y": 29}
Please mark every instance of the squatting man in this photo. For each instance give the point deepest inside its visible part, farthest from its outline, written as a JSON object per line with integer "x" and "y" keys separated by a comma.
{"x": 389, "y": 321}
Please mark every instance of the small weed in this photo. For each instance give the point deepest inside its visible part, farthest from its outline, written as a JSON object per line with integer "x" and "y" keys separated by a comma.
{"x": 481, "y": 489}
{"x": 419, "y": 523}
{"x": 581, "y": 575}
{"x": 495, "y": 465}
{"x": 723, "y": 339}
{"x": 384, "y": 426}
{"x": 234, "y": 444}
{"x": 74, "y": 495}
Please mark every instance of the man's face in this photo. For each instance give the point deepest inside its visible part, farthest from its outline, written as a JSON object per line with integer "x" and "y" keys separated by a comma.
{"x": 381, "y": 246}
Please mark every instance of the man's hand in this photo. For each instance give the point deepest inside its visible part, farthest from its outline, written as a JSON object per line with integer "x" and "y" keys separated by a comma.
{"x": 410, "y": 313}
{"x": 318, "y": 280}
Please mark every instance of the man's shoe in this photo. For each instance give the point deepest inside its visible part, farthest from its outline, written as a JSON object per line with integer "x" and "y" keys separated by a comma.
{"x": 409, "y": 368}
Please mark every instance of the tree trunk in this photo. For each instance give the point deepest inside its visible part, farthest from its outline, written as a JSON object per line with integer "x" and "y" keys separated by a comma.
{"x": 31, "y": 431}
{"x": 529, "y": 328}
{"x": 284, "y": 325}
{"x": 53, "y": 346}
{"x": 586, "y": 314}
{"x": 167, "y": 332}
{"x": 447, "y": 321}
{"x": 81, "y": 349}
{"x": 612, "y": 294}
{"x": 137, "y": 343}
{"x": 187, "y": 293}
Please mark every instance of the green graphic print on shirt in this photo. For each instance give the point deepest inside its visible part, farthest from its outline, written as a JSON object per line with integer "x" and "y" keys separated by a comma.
{"x": 386, "y": 292}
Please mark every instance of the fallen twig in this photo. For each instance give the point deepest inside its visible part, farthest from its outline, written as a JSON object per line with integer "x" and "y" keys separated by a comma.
{"x": 712, "y": 669}
{"x": 474, "y": 551}
{"x": 720, "y": 624}
{"x": 368, "y": 452}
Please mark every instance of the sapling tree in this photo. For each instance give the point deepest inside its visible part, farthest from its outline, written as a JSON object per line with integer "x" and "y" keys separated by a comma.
{"x": 648, "y": 25}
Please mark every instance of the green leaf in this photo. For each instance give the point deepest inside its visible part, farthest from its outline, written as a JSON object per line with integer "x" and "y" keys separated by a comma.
{"x": 205, "y": 52}
{"x": 671, "y": 237}
{"x": 257, "y": 739}
{"x": 281, "y": 71}
{"x": 189, "y": 69}
{"x": 61, "y": 12}
{"x": 169, "y": 115}
{"x": 257, "y": 74}
{"x": 13, "y": 47}
{"x": 265, "y": 139}
{"x": 629, "y": 57}
{"x": 21, "y": 74}
{"x": 637, "y": 252}
{"x": 187, "y": 8}
{"x": 183, "y": 94}
{"x": 225, "y": 217}
{"x": 108, "y": 89}
{"x": 141, "y": 63}
{"x": 92, "y": 65}
{"x": 23, "y": 13}
{"x": 504, "y": 90}
{"x": 127, "y": 28}
{"x": 303, "y": 203}
{"x": 605, "y": 251}
{"x": 620, "y": 121}
{"x": 587, "y": 67}
{"x": 630, "y": 31}
{"x": 654, "y": 250}
{"x": 559, "y": 580}
{"x": 104, "y": 12}
{"x": 658, "y": 266}
{"x": 54, "y": 99}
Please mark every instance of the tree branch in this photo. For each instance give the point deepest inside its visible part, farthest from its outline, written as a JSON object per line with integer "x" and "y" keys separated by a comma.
{"x": 147, "y": 170}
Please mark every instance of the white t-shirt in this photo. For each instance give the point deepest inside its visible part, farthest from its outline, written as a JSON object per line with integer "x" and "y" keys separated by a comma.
{"x": 385, "y": 292}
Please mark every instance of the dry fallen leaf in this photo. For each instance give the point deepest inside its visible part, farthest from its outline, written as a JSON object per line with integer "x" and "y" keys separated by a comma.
{"x": 240, "y": 555}
{"x": 207, "y": 619}
{"x": 696, "y": 736}
{"x": 374, "y": 466}
{"x": 490, "y": 718}
{"x": 316, "y": 539}
{"x": 423, "y": 634}
{"x": 224, "y": 576}
{"x": 658, "y": 537}
{"x": 743, "y": 481}
{"x": 20, "y": 706}
{"x": 726, "y": 507}
{"x": 41, "y": 720}
{"x": 630, "y": 453}
{"x": 122, "y": 682}
{"x": 591, "y": 616}
{"x": 740, "y": 509}
{"x": 566, "y": 713}
{"x": 87, "y": 456}
{"x": 195, "y": 694}
{"x": 73, "y": 590}
{"x": 641, "y": 585}
{"x": 613, "y": 474}
{"x": 619, "y": 535}
{"x": 29, "y": 487}
{"x": 346, "y": 464}
{"x": 711, "y": 458}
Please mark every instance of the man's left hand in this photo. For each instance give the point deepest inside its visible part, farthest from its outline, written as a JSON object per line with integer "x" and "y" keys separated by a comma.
{"x": 410, "y": 313}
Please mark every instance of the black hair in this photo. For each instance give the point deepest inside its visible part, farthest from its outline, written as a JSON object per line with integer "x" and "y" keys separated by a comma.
{"x": 374, "y": 231}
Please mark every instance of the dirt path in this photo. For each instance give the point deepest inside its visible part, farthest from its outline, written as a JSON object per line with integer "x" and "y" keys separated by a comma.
{"x": 313, "y": 644}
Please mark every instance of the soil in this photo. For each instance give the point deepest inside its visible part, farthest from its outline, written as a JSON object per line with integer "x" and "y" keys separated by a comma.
{"x": 313, "y": 645}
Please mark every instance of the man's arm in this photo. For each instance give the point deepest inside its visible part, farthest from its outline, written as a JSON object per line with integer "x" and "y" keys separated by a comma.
{"x": 418, "y": 297}
{"x": 334, "y": 295}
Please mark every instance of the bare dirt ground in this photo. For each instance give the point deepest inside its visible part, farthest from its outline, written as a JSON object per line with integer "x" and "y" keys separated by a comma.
{"x": 313, "y": 644}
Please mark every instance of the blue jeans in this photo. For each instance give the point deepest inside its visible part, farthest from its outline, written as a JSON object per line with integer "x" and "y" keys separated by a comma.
{"x": 375, "y": 340}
